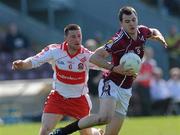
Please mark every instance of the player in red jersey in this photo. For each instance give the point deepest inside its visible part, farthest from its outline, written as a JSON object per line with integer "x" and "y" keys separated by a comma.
{"x": 70, "y": 62}
{"x": 115, "y": 88}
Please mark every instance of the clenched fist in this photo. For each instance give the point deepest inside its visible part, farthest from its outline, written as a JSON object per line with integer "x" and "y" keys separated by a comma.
{"x": 21, "y": 64}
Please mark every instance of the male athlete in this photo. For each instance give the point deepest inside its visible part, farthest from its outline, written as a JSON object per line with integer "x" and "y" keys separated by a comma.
{"x": 70, "y": 62}
{"x": 115, "y": 88}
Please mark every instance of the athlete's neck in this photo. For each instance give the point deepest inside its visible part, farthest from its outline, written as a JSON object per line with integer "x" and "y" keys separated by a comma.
{"x": 72, "y": 51}
{"x": 133, "y": 36}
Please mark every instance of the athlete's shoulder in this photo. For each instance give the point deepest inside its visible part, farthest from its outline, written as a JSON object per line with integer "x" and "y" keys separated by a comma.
{"x": 118, "y": 38}
{"x": 119, "y": 35}
{"x": 52, "y": 47}
{"x": 142, "y": 26}
{"x": 56, "y": 46}
{"x": 144, "y": 30}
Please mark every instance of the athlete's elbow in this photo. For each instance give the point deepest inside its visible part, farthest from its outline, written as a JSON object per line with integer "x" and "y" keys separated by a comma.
{"x": 104, "y": 119}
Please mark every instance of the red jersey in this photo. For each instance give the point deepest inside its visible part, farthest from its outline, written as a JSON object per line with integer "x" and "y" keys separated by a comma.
{"x": 120, "y": 44}
{"x": 145, "y": 73}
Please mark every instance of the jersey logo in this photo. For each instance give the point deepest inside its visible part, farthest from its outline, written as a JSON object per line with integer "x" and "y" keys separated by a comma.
{"x": 83, "y": 59}
{"x": 46, "y": 49}
{"x": 80, "y": 66}
{"x": 106, "y": 89}
{"x": 142, "y": 38}
{"x": 60, "y": 62}
{"x": 70, "y": 77}
{"x": 108, "y": 44}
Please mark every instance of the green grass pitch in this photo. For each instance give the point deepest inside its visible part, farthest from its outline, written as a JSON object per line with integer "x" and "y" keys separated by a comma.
{"x": 132, "y": 126}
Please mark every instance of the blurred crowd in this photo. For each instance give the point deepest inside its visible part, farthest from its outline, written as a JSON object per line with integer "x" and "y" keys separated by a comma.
{"x": 152, "y": 94}
{"x": 15, "y": 45}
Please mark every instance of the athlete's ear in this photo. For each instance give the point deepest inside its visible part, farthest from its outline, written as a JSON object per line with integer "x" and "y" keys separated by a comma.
{"x": 65, "y": 37}
{"x": 137, "y": 20}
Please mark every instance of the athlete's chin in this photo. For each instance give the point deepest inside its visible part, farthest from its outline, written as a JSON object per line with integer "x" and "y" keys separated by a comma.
{"x": 132, "y": 32}
{"x": 77, "y": 46}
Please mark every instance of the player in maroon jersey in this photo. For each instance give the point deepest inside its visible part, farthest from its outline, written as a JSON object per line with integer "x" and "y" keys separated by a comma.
{"x": 115, "y": 88}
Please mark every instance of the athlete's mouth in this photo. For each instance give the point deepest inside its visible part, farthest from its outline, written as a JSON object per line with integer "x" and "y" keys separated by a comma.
{"x": 132, "y": 28}
{"x": 77, "y": 44}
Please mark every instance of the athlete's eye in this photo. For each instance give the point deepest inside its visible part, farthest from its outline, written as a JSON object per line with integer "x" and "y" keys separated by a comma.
{"x": 73, "y": 36}
{"x": 127, "y": 21}
{"x": 133, "y": 20}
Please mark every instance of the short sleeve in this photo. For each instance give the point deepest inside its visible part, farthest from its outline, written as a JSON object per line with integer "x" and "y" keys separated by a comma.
{"x": 145, "y": 30}
{"x": 108, "y": 46}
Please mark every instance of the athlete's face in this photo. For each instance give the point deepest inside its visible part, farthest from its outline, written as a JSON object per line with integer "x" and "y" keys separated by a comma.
{"x": 74, "y": 39}
{"x": 129, "y": 23}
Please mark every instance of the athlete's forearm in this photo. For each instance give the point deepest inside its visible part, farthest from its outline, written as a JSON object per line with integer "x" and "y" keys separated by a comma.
{"x": 157, "y": 36}
{"x": 100, "y": 61}
{"x": 27, "y": 64}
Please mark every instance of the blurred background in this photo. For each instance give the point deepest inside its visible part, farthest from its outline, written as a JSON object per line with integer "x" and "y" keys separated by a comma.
{"x": 27, "y": 26}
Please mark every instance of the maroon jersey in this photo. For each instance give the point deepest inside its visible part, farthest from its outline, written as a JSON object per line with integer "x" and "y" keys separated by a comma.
{"x": 120, "y": 44}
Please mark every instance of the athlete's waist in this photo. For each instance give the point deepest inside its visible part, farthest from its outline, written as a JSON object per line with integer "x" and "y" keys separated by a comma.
{"x": 61, "y": 85}
{"x": 121, "y": 80}
{"x": 71, "y": 92}
{"x": 67, "y": 97}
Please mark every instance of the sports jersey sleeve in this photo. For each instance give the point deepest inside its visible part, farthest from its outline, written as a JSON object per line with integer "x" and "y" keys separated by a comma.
{"x": 108, "y": 46}
{"x": 146, "y": 31}
{"x": 46, "y": 55}
{"x": 113, "y": 40}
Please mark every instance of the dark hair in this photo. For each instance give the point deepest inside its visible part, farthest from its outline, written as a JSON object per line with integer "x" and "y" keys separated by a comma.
{"x": 71, "y": 27}
{"x": 127, "y": 11}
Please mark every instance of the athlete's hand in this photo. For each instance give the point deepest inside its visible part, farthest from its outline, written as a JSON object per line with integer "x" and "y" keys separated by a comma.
{"x": 161, "y": 39}
{"x": 18, "y": 64}
{"x": 135, "y": 76}
{"x": 119, "y": 69}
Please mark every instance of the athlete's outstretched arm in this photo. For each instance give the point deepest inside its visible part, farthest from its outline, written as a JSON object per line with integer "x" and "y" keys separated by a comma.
{"x": 46, "y": 55}
{"x": 98, "y": 58}
{"x": 156, "y": 35}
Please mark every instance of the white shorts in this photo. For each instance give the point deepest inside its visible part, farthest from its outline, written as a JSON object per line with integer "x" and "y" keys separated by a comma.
{"x": 122, "y": 96}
